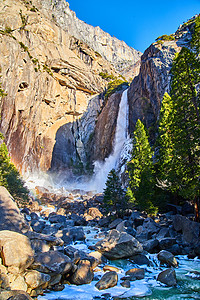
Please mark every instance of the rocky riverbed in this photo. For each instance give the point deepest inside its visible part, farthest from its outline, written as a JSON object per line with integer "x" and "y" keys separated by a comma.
{"x": 62, "y": 246}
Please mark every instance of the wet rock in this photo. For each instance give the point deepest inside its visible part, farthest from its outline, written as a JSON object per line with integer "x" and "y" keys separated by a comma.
{"x": 16, "y": 249}
{"x": 167, "y": 277}
{"x": 118, "y": 245}
{"x": 135, "y": 274}
{"x": 140, "y": 259}
{"x": 167, "y": 258}
{"x": 10, "y": 216}
{"x": 52, "y": 262}
{"x": 98, "y": 257}
{"x": 34, "y": 279}
{"x": 151, "y": 245}
{"x": 108, "y": 280}
{"x": 126, "y": 284}
{"x": 83, "y": 274}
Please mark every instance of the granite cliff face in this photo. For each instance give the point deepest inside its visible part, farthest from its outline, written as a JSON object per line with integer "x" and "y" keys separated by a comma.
{"x": 147, "y": 89}
{"x": 49, "y": 77}
{"x": 55, "y": 115}
{"x": 115, "y": 51}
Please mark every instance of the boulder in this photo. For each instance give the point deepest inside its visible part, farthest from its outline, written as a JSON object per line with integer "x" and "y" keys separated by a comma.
{"x": 14, "y": 295}
{"x": 126, "y": 283}
{"x": 140, "y": 259}
{"x": 54, "y": 218}
{"x": 83, "y": 274}
{"x": 135, "y": 274}
{"x": 71, "y": 234}
{"x": 166, "y": 243}
{"x": 150, "y": 226}
{"x": 17, "y": 282}
{"x": 189, "y": 229}
{"x": 43, "y": 242}
{"x": 34, "y": 279}
{"x": 151, "y": 245}
{"x": 114, "y": 223}
{"x": 118, "y": 245}
{"x": 167, "y": 277}
{"x": 92, "y": 213}
{"x": 10, "y": 216}
{"x": 52, "y": 262}
{"x": 77, "y": 255}
{"x": 37, "y": 225}
{"x": 108, "y": 280}
{"x": 167, "y": 258}
{"x": 16, "y": 250}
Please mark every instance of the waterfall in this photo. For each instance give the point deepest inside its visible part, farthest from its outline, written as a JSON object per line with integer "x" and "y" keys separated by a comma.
{"x": 101, "y": 169}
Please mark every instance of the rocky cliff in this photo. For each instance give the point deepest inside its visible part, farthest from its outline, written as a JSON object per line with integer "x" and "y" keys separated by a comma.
{"x": 115, "y": 51}
{"x": 50, "y": 78}
{"x": 147, "y": 89}
{"x": 54, "y": 114}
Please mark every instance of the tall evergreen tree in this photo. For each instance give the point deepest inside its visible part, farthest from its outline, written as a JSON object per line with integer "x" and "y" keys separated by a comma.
{"x": 141, "y": 180}
{"x": 185, "y": 127}
{"x": 114, "y": 195}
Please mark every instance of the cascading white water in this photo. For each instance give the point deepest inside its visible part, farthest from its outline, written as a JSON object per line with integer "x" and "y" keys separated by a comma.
{"x": 101, "y": 170}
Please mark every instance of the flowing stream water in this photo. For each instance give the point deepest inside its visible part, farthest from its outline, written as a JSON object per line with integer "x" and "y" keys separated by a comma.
{"x": 188, "y": 284}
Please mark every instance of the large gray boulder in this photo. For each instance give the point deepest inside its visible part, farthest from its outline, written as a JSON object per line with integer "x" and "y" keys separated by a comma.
{"x": 52, "y": 262}
{"x": 167, "y": 258}
{"x": 118, "y": 245}
{"x": 189, "y": 229}
{"x": 167, "y": 277}
{"x": 10, "y": 216}
{"x": 16, "y": 250}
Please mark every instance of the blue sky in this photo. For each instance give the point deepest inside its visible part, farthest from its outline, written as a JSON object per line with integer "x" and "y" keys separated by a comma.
{"x": 138, "y": 23}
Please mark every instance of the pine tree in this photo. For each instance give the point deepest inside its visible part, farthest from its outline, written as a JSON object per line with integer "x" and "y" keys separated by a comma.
{"x": 10, "y": 177}
{"x": 164, "y": 145}
{"x": 114, "y": 196}
{"x": 185, "y": 127}
{"x": 141, "y": 178}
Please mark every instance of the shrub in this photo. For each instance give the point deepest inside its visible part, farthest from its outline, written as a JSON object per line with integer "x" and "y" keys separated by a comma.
{"x": 113, "y": 86}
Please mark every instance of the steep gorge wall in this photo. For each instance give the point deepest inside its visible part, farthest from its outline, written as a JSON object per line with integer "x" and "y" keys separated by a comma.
{"x": 147, "y": 89}
{"x": 49, "y": 77}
